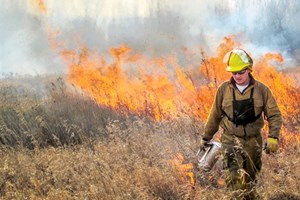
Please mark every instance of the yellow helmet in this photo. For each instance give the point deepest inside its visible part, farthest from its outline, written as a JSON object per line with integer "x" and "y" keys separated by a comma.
{"x": 238, "y": 60}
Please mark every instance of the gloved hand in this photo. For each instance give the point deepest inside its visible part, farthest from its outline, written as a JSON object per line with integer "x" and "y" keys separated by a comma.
{"x": 271, "y": 145}
{"x": 204, "y": 144}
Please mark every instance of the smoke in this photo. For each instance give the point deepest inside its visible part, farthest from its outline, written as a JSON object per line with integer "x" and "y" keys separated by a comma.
{"x": 24, "y": 45}
{"x": 152, "y": 27}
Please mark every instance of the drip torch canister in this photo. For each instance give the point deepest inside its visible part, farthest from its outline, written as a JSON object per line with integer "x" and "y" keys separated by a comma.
{"x": 210, "y": 156}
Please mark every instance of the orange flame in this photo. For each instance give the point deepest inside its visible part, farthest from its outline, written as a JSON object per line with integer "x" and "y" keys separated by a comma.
{"x": 159, "y": 88}
{"x": 185, "y": 170}
{"x": 281, "y": 85}
{"x": 150, "y": 89}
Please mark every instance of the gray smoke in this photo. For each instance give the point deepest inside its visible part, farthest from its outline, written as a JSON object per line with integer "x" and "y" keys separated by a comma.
{"x": 161, "y": 28}
{"x": 24, "y": 45}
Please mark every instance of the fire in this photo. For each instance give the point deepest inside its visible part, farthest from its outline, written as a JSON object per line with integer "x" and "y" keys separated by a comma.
{"x": 156, "y": 88}
{"x": 286, "y": 94}
{"x": 185, "y": 170}
{"x": 159, "y": 88}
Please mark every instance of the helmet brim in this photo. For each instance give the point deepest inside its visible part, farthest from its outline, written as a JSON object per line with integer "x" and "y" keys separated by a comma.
{"x": 237, "y": 69}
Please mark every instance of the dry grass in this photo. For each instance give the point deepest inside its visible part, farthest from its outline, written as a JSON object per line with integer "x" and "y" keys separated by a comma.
{"x": 57, "y": 144}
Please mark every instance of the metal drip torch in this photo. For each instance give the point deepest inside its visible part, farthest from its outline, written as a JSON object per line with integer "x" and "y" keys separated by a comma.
{"x": 209, "y": 156}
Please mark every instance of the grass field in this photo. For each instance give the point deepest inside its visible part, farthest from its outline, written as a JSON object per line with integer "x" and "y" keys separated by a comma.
{"x": 56, "y": 143}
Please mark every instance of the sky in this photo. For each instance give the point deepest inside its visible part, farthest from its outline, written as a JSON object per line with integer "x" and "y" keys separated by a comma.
{"x": 153, "y": 27}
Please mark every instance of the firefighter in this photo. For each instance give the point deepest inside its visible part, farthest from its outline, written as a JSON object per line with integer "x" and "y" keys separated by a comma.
{"x": 240, "y": 107}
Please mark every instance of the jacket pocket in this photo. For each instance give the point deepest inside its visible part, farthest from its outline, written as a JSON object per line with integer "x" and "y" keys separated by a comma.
{"x": 258, "y": 107}
{"x": 227, "y": 108}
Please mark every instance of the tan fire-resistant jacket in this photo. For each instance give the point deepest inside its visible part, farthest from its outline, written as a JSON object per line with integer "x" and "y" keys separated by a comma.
{"x": 263, "y": 102}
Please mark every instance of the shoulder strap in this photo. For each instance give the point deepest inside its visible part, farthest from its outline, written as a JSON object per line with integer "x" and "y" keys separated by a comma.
{"x": 233, "y": 93}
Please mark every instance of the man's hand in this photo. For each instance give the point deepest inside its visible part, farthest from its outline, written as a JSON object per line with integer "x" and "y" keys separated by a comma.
{"x": 272, "y": 145}
{"x": 203, "y": 144}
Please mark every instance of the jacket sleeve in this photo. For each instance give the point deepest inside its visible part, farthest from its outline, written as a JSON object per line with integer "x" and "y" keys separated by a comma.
{"x": 272, "y": 114}
{"x": 215, "y": 116}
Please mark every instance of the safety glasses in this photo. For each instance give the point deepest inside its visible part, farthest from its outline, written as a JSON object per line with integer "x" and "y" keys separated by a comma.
{"x": 240, "y": 72}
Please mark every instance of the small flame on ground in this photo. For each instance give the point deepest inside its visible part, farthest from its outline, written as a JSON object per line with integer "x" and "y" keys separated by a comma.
{"x": 185, "y": 169}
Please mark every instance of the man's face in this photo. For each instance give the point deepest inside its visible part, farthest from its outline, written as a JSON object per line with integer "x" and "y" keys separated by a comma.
{"x": 241, "y": 77}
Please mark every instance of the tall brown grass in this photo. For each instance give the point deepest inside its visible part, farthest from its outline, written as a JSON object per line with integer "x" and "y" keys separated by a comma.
{"x": 58, "y": 144}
